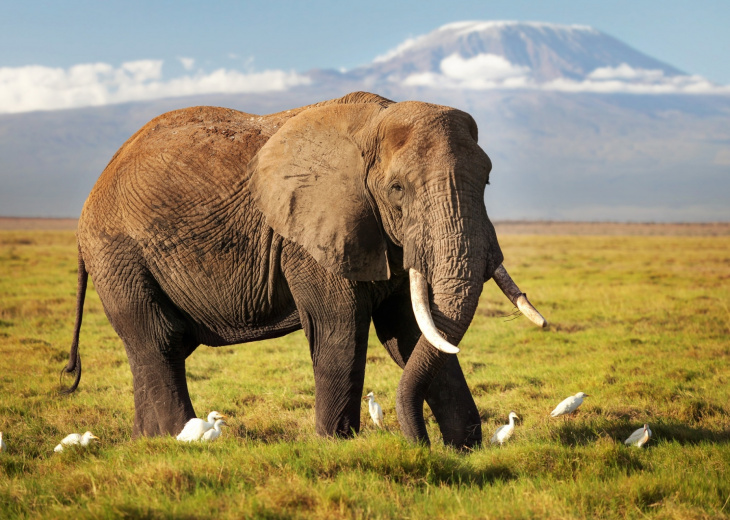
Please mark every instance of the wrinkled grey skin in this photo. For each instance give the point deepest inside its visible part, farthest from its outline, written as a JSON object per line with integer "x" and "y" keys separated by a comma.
{"x": 211, "y": 226}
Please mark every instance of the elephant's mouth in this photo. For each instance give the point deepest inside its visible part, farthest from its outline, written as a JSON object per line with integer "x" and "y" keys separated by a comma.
{"x": 422, "y": 308}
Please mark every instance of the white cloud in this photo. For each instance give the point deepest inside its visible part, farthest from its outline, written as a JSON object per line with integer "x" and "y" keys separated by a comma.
{"x": 481, "y": 72}
{"x": 627, "y": 79}
{"x": 485, "y": 66}
{"x": 187, "y": 63}
{"x": 626, "y": 72}
{"x": 36, "y": 87}
{"x": 490, "y": 71}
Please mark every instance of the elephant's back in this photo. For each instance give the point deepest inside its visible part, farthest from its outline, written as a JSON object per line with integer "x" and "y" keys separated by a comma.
{"x": 201, "y": 129}
{"x": 196, "y": 136}
{"x": 176, "y": 189}
{"x": 180, "y": 159}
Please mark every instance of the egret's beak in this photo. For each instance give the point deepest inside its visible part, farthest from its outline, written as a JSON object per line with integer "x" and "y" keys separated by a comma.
{"x": 94, "y": 437}
{"x": 223, "y": 417}
{"x": 366, "y": 398}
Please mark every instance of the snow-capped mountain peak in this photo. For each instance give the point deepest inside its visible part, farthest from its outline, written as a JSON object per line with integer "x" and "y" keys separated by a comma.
{"x": 481, "y": 25}
{"x": 534, "y": 55}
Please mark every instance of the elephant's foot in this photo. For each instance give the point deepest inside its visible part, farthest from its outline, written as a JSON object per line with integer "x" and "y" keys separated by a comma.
{"x": 161, "y": 401}
{"x": 340, "y": 427}
{"x": 338, "y": 402}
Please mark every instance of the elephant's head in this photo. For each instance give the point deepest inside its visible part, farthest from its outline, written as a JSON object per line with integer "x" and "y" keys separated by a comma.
{"x": 373, "y": 189}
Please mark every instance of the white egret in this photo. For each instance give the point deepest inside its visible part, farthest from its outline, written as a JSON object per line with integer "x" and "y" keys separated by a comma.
{"x": 195, "y": 428}
{"x": 75, "y": 439}
{"x": 505, "y": 431}
{"x": 639, "y": 437}
{"x": 215, "y": 431}
{"x": 569, "y": 405}
{"x": 3, "y": 446}
{"x": 376, "y": 412}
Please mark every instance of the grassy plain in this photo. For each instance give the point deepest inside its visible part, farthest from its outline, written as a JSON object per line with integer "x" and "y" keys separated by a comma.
{"x": 639, "y": 322}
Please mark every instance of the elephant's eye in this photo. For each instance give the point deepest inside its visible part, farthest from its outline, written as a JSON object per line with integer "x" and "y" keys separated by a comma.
{"x": 396, "y": 194}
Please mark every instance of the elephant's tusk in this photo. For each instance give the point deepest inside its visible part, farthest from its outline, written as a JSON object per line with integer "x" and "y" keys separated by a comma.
{"x": 422, "y": 310}
{"x": 517, "y": 297}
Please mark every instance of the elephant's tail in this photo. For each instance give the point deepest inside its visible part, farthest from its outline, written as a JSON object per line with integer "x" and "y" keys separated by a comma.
{"x": 74, "y": 360}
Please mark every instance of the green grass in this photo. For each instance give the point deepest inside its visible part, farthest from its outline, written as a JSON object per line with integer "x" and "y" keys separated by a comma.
{"x": 640, "y": 323}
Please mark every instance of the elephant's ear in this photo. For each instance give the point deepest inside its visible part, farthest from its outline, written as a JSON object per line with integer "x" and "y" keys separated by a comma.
{"x": 309, "y": 182}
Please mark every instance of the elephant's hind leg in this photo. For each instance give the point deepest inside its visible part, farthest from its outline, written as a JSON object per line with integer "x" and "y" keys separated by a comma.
{"x": 154, "y": 335}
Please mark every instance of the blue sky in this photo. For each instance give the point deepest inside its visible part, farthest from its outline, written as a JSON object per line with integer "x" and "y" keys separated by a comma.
{"x": 183, "y": 38}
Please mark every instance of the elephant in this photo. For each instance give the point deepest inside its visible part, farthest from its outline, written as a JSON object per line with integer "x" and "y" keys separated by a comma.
{"x": 217, "y": 227}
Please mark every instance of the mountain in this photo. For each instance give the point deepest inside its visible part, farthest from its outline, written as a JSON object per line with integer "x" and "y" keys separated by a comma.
{"x": 500, "y": 51}
{"x": 579, "y": 125}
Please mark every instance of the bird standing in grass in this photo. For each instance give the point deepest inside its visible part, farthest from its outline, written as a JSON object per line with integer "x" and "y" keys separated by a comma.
{"x": 195, "y": 428}
{"x": 639, "y": 437}
{"x": 376, "y": 412}
{"x": 3, "y": 447}
{"x": 215, "y": 431}
{"x": 505, "y": 431}
{"x": 569, "y": 405}
{"x": 75, "y": 439}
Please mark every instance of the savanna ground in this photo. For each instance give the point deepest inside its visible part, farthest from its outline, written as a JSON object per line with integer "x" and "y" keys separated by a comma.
{"x": 641, "y": 323}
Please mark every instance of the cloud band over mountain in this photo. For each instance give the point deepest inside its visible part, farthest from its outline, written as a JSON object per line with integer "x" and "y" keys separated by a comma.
{"x": 490, "y": 71}
{"x": 462, "y": 55}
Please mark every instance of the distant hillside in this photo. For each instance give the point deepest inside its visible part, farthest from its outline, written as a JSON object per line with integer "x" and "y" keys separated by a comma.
{"x": 579, "y": 125}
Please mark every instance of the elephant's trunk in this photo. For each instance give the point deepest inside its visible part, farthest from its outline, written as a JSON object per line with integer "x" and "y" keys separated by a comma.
{"x": 443, "y": 318}
{"x": 420, "y": 370}
{"x": 453, "y": 312}
{"x": 451, "y": 250}
{"x": 443, "y": 323}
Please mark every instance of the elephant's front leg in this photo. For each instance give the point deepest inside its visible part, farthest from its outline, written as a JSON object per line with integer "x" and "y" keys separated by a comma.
{"x": 335, "y": 316}
{"x": 338, "y": 357}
